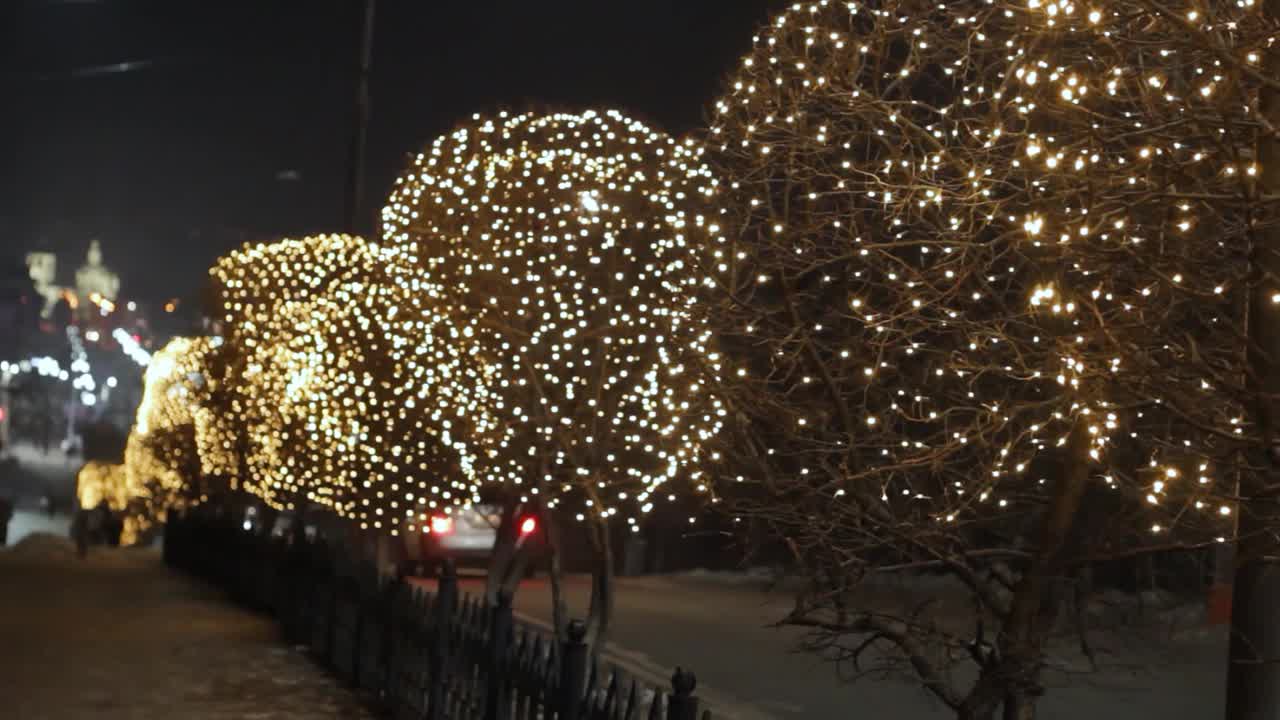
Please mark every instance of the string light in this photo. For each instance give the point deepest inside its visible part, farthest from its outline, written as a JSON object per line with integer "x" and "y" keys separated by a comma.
{"x": 552, "y": 257}
{"x": 976, "y": 229}
{"x": 163, "y": 454}
{"x": 955, "y": 238}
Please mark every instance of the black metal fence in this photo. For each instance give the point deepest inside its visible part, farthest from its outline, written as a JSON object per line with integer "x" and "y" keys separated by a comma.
{"x": 419, "y": 655}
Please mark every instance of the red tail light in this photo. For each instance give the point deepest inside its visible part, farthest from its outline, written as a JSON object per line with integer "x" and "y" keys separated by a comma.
{"x": 441, "y": 525}
{"x": 528, "y": 526}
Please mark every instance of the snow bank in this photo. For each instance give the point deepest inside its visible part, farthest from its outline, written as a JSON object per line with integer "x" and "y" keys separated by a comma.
{"x": 42, "y": 547}
{"x": 753, "y": 575}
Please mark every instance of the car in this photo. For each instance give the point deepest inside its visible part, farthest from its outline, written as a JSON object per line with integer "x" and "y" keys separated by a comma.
{"x": 467, "y": 536}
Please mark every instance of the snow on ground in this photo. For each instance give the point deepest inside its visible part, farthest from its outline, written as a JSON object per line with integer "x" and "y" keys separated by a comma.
{"x": 118, "y": 636}
{"x": 26, "y": 523}
{"x": 27, "y": 473}
{"x": 721, "y": 628}
{"x": 26, "y": 476}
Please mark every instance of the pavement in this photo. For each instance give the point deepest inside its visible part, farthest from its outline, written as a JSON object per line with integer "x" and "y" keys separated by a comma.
{"x": 120, "y": 637}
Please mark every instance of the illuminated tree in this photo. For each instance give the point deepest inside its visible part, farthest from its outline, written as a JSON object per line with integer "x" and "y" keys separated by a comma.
{"x": 100, "y": 481}
{"x": 551, "y": 255}
{"x": 269, "y": 304}
{"x": 162, "y": 467}
{"x": 983, "y": 300}
{"x": 318, "y": 386}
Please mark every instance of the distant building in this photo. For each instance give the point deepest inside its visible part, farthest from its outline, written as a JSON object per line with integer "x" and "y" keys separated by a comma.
{"x": 42, "y": 268}
{"x": 93, "y": 280}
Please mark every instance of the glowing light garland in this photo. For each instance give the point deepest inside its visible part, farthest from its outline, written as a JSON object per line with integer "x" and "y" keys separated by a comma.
{"x": 43, "y": 366}
{"x": 83, "y": 381}
{"x": 130, "y": 347}
{"x": 959, "y": 234}
{"x": 163, "y": 454}
{"x": 83, "y": 378}
{"x": 987, "y": 255}
{"x": 318, "y": 382}
{"x": 98, "y": 481}
{"x": 970, "y": 228}
{"x": 550, "y": 264}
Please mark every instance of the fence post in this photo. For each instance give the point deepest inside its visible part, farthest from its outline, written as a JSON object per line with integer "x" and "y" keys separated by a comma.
{"x": 573, "y": 671}
{"x": 387, "y": 639}
{"x": 357, "y": 633}
{"x": 497, "y": 701}
{"x": 331, "y": 622}
{"x": 446, "y": 602}
{"x": 396, "y": 636}
{"x": 264, "y": 551}
{"x": 323, "y": 559}
{"x": 681, "y": 704}
{"x": 166, "y": 537}
{"x": 299, "y": 591}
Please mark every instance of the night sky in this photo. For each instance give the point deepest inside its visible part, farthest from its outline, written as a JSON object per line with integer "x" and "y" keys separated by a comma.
{"x": 230, "y": 121}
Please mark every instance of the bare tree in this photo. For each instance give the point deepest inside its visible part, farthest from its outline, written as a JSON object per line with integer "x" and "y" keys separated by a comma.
{"x": 984, "y": 303}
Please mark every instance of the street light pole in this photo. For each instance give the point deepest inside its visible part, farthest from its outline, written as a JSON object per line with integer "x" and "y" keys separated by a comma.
{"x": 359, "y": 123}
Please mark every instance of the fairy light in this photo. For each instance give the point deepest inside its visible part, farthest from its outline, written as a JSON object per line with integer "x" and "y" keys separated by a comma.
{"x": 994, "y": 248}
{"x": 540, "y": 311}
{"x": 99, "y": 481}
{"x": 553, "y": 257}
{"x": 129, "y": 346}
{"x": 164, "y": 453}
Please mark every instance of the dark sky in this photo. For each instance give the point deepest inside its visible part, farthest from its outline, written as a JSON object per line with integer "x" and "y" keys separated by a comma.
{"x": 177, "y": 157}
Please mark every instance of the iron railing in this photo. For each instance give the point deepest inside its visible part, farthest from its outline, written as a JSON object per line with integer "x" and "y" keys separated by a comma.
{"x": 419, "y": 655}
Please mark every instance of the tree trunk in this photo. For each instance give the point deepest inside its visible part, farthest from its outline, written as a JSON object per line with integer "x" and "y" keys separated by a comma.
{"x": 600, "y": 615}
{"x": 1013, "y": 680}
{"x": 516, "y": 570}
{"x": 1253, "y": 675}
{"x": 504, "y": 551}
{"x": 1019, "y": 706}
{"x": 555, "y": 575}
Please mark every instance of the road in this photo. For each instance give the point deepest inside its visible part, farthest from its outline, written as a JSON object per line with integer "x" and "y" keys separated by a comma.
{"x": 720, "y": 627}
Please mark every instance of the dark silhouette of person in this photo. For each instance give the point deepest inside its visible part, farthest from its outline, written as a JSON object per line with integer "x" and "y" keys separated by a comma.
{"x": 102, "y": 523}
{"x": 80, "y": 532}
{"x": 6, "y": 514}
{"x": 115, "y": 530}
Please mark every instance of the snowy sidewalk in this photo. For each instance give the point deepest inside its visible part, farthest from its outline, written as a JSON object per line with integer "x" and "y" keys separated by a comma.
{"x": 120, "y": 636}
